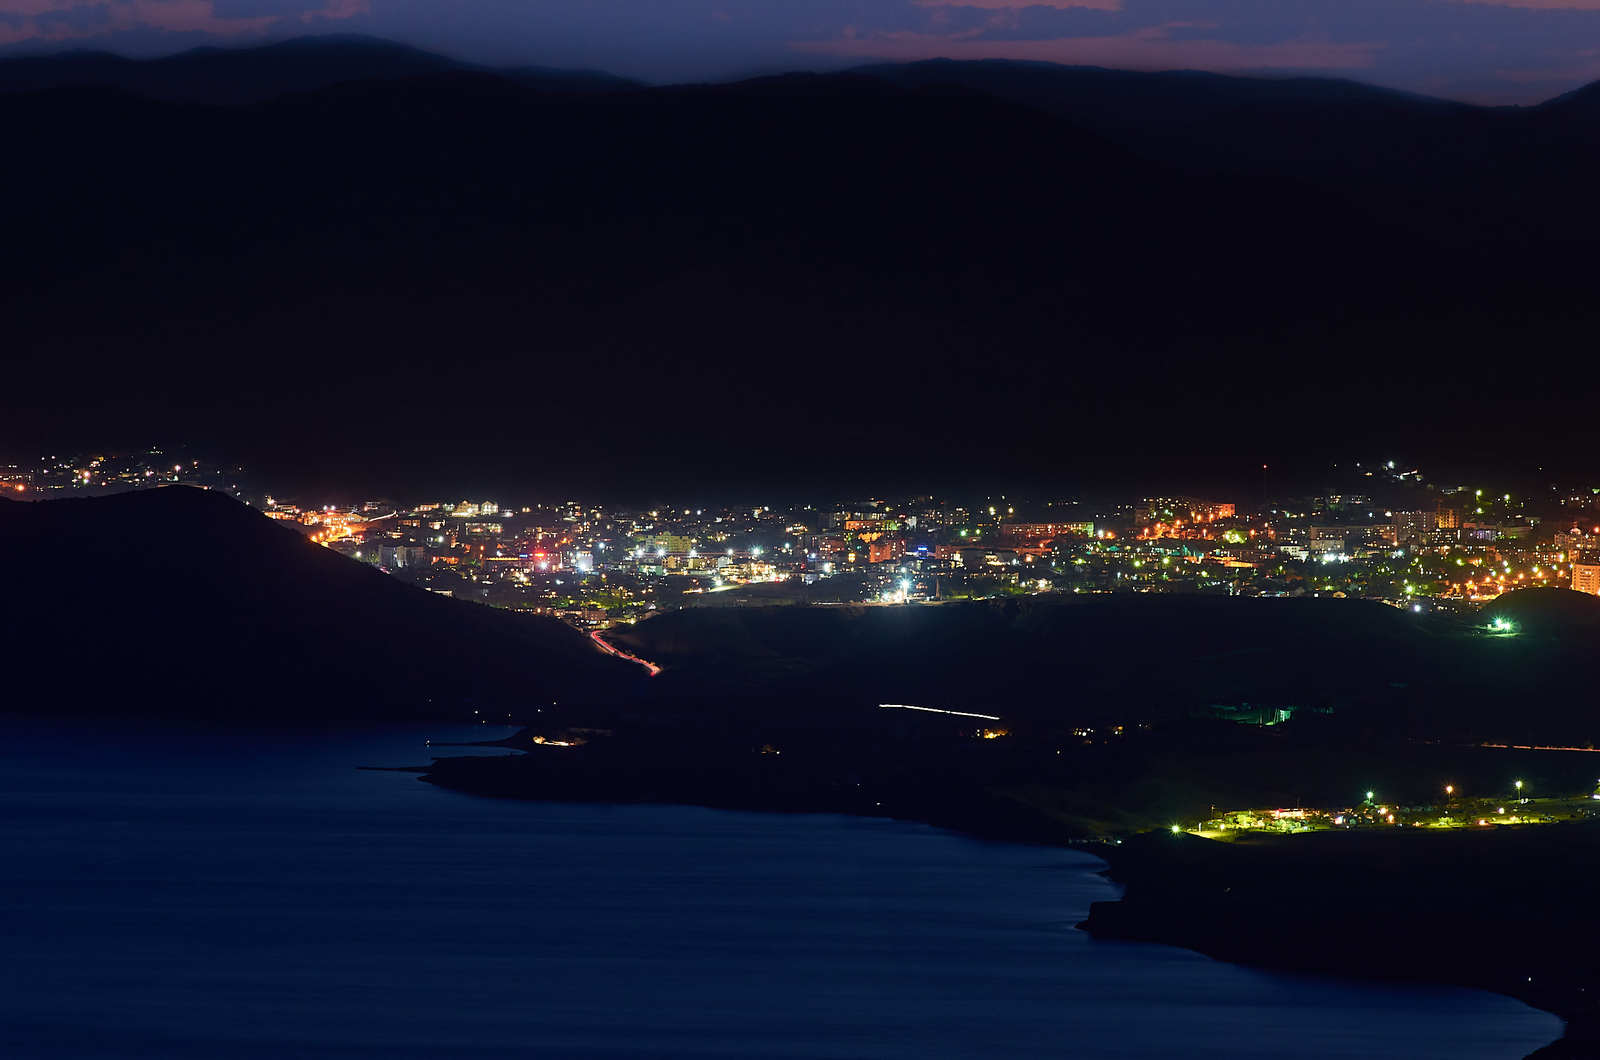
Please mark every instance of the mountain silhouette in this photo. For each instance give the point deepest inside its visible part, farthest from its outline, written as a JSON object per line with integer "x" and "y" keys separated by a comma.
{"x": 1560, "y": 613}
{"x": 250, "y": 74}
{"x": 184, "y": 601}
{"x": 1078, "y": 273}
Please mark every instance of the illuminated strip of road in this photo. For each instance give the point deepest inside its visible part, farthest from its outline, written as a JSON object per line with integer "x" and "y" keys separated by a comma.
{"x": 619, "y": 653}
{"x": 936, "y": 710}
{"x": 1535, "y": 747}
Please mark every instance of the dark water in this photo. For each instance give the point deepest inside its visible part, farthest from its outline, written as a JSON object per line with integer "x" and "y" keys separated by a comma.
{"x": 190, "y": 893}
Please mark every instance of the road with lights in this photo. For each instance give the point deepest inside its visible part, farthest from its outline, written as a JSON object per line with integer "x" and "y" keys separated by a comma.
{"x": 619, "y": 653}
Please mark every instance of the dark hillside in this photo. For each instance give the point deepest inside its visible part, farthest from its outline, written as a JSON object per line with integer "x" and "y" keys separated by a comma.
{"x": 186, "y": 602}
{"x": 1010, "y": 267}
{"x": 1125, "y": 659}
{"x": 1556, "y": 613}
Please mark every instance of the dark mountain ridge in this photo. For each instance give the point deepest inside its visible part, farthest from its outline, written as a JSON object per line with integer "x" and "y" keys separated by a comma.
{"x": 1056, "y": 278}
{"x": 251, "y": 74}
{"x": 183, "y": 601}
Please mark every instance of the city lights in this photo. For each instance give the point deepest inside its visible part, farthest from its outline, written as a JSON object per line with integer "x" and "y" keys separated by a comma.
{"x": 594, "y": 566}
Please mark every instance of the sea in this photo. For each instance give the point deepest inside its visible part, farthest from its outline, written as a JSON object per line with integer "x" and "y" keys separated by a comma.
{"x": 182, "y": 890}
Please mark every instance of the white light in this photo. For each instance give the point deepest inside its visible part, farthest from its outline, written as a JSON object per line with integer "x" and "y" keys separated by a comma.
{"x": 937, "y": 710}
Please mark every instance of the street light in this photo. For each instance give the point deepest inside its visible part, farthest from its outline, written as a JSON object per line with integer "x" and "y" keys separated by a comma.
{"x": 1369, "y": 796}
{"x": 1449, "y": 789}
{"x": 1518, "y": 785}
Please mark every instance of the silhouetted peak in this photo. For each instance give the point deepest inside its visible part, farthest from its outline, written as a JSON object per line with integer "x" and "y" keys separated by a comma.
{"x": 191, "y": 589}
{"x": 228, "y": 75}
{"x": 1183, "y": 89}
{"x": 1585, "y": 98}
{"x": 163, "y": 502}
{"x": 1552, "y": 611}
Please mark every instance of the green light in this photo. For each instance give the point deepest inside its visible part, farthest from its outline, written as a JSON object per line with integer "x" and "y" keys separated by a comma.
{"x": 1369, "y": 796}
{"x": 1176, "y": 829}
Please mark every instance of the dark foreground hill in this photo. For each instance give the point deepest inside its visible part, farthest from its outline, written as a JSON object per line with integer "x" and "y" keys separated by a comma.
{"x": 1065, "y": 661}
{"x": 1557, "y": 613}
{"x": 182, "y": 601}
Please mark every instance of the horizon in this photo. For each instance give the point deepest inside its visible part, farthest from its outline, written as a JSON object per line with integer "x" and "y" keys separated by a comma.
{"x": 1486, "y": 52}
{"x": 29, "y": 50}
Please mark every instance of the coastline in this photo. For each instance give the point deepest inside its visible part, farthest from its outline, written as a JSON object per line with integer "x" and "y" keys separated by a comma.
{"x": 1177, "y": 890}
{"x": 1171, "y": 898}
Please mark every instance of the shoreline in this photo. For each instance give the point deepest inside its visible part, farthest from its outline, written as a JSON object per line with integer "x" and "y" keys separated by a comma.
{"x": 1172, "y": 917}
{"x": 1160, "y": 903}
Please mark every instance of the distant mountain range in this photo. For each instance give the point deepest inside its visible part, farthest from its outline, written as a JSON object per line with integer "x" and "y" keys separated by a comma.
{"x": 1049, "y": 260}
{"x": 180, "y": 601}
{"x": 244, "y": 75}
{"x": 215, "y": 74}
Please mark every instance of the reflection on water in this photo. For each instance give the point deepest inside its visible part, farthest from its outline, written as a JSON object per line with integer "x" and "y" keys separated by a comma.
{"x": 189, "y": 892}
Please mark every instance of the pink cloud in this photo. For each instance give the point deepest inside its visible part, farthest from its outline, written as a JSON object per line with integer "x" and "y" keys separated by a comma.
{"x": 1580, "y": 72}
{"x": 38, "y": 7}
{"x": 1151, "y": 48}
{"x": 1013, "y": 5}
{"x": 177, "y": 16}
{"x": 1540, "y": 5}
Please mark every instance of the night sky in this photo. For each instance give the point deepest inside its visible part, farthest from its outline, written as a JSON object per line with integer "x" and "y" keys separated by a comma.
{"x": 1503, "y": 51}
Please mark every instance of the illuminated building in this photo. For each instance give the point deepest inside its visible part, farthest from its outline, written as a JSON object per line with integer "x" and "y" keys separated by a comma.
{"x": 886, "y": 550}
{"x": 1414, "y": 527}
{"x": 1202, "y": 512}
{"x": 1013, "y": 532}
{"x": 1586, "y": 577}
{"x": 1188, "y": 509}
{"x": 402, "y": 556}
{"x": 1327, "y": 539}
